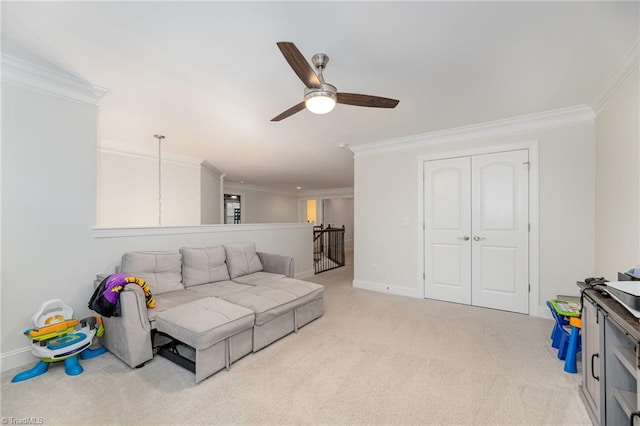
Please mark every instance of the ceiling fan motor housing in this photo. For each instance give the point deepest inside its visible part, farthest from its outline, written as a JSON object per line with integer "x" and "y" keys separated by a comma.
{"x": 320, "y": 60}
{"x": 327, "y": 90}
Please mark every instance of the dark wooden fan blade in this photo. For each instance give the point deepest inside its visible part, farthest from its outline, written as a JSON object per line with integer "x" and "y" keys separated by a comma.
{"x": 289, "y": 112}
{"x": 366, "y": 100}
{"x": 299, "y": 64}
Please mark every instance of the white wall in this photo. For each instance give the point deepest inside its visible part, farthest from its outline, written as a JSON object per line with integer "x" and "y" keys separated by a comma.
{"x": 210, "y": 196}
{"x": 338, "y": 212}
{"x": 49, "y": 247}
{"x": 320, "y": 195}
{"x": 264, "y": 205}
{"x": 618, "y": 180}
{"x": 128, "y": 191}
{"x": 293, "y": 239}
{"x": 387, "y": 191}
{"x": 48, "y": 202}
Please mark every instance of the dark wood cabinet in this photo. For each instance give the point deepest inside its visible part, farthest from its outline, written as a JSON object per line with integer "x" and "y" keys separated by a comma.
{"x": 610, "y": 369}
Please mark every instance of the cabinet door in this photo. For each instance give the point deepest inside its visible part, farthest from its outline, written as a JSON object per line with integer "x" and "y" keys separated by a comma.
{"x": 620, "y": 378}
{"x": 591, "y": 357}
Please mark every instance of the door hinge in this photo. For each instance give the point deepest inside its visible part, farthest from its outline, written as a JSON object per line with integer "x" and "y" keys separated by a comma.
{"x": 423, "y": 226}
{"x": 423, "y": 276}
{"x": 529, "y": 287}
{"x": 528, "y": 164}
{"x": 529, "y": 227}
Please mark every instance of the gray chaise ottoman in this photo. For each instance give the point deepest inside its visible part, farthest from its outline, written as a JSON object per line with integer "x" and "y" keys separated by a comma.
{"x": 217, "y": 331}
{"x": 280, "y": 306}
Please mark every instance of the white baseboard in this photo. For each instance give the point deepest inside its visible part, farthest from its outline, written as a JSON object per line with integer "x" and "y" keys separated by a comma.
{"x": 544, "y": 312}
{"x": 385, "y": 288}
{"x": 304, "y": 274}
{"x": 17, "y": 358}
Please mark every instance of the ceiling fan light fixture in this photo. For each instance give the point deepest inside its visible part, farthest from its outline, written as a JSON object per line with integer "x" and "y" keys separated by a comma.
{"x": 320, "y": 104}
{"x": 320, "y": 101}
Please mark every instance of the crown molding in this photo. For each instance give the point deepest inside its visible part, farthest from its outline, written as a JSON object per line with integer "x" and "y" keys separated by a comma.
{"x": 207, "y": 166}
{"x": 524, "y": 123}
{"x": 111, "y": 147}
{"x": 626, "y": 66}
{"x": 320, "y": 193}
{"x": 47, "y": 80}
{"x": 327, "y": 193}
{"x": 244, "y": 187}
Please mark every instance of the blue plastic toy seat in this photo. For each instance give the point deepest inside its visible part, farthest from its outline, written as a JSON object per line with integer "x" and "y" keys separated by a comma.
{"x": 574, "y": 346}
{"x": 559, "y": 332}
{"x": 568, "y": 343}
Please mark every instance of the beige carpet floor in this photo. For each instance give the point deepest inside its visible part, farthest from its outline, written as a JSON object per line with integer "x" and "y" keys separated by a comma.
{"x": 371, "y": 359}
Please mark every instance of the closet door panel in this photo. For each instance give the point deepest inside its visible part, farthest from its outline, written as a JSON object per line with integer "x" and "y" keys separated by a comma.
{"x": 447, "y": 223}
{"x": 500, "y": 222}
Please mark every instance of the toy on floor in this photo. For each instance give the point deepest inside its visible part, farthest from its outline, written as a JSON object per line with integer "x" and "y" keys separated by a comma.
{"x": 57, "y": 336}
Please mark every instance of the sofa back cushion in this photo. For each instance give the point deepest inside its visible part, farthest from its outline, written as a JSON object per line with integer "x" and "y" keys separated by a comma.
{"x": 203, "y": 265}
{"x": 162, "y": 270}
{"x": 242, "y": 259}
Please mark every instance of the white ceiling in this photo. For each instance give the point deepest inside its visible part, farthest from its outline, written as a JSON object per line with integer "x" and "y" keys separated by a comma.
{"x": 208, "y": 75}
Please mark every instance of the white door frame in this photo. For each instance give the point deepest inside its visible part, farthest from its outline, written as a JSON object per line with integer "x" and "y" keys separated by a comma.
{"x": 534, "y": 237}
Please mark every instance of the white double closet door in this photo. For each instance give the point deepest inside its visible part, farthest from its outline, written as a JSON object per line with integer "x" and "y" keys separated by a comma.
{"x": 476, "y": 238}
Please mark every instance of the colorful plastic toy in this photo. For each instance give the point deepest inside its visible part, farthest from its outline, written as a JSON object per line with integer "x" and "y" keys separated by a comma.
{"x": 57, "y": 336}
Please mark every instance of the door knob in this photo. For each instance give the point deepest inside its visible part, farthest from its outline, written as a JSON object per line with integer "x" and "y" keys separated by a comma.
{"x": 476, "y": 238}
{"x": 465, "y": 238}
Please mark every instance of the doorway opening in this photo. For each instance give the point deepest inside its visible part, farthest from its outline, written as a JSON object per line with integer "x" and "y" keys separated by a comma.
{"x": 311, "y": 212}
{"x": 232, "y": 209}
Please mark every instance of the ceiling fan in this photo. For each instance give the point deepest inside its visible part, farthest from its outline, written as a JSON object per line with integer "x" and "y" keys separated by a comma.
{"x": 319, "y": 96}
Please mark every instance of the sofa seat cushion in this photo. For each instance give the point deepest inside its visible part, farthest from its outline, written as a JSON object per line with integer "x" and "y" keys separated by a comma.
{"x": 305, "y": 289}
{"x": 258, "y": 278}
{"x": 202, "y": 323}
{"x": 170, "y": 300}
{"x": 217, "y": 289}
{"x": 162, "y": 270}
{"x": 203, "y": 265}
{"x": 269, "y": 302}
{"x": 242, "y": 259}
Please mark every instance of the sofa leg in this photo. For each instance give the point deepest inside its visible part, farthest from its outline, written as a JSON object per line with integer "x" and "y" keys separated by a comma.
{"x": 141, "y": 365}
{"x": 227, "y": 355}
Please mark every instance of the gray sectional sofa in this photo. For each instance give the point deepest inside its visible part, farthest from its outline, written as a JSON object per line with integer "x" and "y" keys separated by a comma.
{"x": 217, "y": 303}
